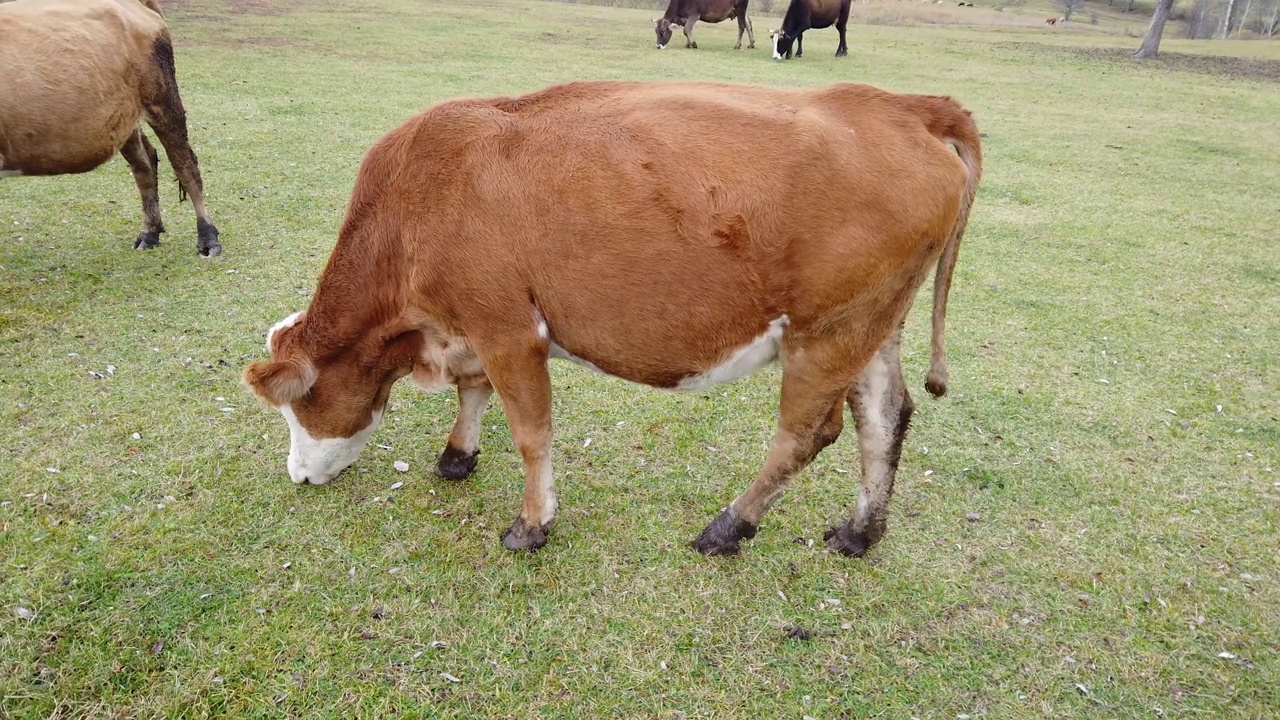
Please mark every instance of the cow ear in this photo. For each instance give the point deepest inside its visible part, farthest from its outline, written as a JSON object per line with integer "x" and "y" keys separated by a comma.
{"x": 655, "y": 20}
{"x": 280, "y": 382}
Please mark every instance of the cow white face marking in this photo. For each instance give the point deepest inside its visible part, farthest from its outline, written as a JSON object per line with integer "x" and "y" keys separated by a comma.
{"x": 316, "y": 461}
{"x": 10, "y": 173}
{"x": 776, "y": 36}
{"x": 743, "y": 361}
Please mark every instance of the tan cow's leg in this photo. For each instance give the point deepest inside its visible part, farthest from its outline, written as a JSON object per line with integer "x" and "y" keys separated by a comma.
{"x": 458, "y": 460}
{"x": 882, "y": 409}
{"x": 688, "y": 32}
{"x": 143, "y": 163}
{"x": 168, "y": 119}
{"x": 815, "y": 379}
{"x": 520, "y": 376}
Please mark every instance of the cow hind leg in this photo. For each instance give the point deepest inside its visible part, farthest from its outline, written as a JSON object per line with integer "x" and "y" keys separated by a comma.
{"x": 144, "y": 164}
{"x": 810, "y": 418}
{"x": 458, "y": 460}
{"x": 882, "y": 410}
{"x": 751, "y": 34}
{"x": 168, "y": 119}
{"x": 842, "y": 22}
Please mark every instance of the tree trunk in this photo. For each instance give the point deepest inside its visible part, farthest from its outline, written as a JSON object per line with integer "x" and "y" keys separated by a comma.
{"x": 1151, "y": 43}
{"x": 1130, "y": 8}
{"x": 1275, "y": 18}
{"x": 1244, "y": 18}
{"x": 1226, "y": 19}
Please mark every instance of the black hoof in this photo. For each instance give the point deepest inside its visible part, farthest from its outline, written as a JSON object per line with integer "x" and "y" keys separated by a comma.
{"x": 752, "y": 46}
{"x": 523, "y": 536}
{"x": 722, "y": 535}
{"x": 455, "y": 464}
{"x": 147, "y": 240}
{"x": 842, "y": 53}
{"x": 847, "y": 542}
{"x": 207, "y": 243}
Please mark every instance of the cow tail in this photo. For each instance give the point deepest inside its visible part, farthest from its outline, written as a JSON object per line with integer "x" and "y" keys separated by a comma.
{"x": 954, "y": 126}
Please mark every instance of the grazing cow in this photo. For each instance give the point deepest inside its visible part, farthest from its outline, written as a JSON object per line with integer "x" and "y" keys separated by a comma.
{"x": 475, "y": 248}
{"x": 810, "y": 15}
{"x": 76, "y": 79}
{"x": 687, "y": 13}
{"x": 1051, "y": 21}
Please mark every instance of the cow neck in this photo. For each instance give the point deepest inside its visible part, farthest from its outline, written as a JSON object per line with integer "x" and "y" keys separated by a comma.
{"x": 359, "y": 294}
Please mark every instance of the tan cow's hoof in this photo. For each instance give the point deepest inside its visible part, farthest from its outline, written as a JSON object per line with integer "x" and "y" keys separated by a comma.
{"x": 848, "y": 543}
{"x": 523, "y": 536}
{"x": 723, "y": 535}
{"x": 146, "y": 240}
{"x": 455, "y": 464}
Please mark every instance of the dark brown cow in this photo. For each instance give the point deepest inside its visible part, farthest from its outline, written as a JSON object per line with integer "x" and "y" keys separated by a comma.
{"x": 810, "y": 15}
{"x": 486, "y": 236}
{"x": 687, "y": 13}
{"x": 77, "y": 77}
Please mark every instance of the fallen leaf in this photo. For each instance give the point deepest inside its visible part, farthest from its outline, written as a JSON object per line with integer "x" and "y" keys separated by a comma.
{"x": 450, "y": 678}
{"x": 24, "y": 613}
{"x": 157, "y": 647}
{"x": 401, "y": 466}
{"x": 397, "y": 485}
{"x": 972, "y": 517}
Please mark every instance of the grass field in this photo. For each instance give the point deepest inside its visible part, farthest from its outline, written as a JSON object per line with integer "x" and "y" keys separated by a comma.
{"x": 1114, "y": 422}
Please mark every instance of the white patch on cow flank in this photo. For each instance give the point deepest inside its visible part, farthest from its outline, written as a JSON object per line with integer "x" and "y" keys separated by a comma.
{"x": 743, "y": 361}
{"x": 316, "y": 461}
{"x": 10, "y": 173}
{"x": 287, "y": 322}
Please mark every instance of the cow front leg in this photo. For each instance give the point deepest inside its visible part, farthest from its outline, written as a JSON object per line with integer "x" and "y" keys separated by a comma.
{"x": 751, "y": 34}
{"x": 882, "y": 410}
{"x": 799, "y": 45}
{"x": 144, "y": 164}
{"x": 458, "y": 460}
{"x": 841, "y": 23}
{"x": 688, "y": 33}
{"x": 814, "y": 382}
{"x": 519, "y": 374}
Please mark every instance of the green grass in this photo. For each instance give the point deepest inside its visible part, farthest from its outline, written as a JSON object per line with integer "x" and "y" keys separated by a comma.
{"x": 1126, "y": 231}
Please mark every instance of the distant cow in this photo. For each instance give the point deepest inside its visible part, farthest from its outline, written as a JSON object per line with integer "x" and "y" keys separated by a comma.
{"x": 805, "y": 15}
{"x": 475, "y": 248}
{"x": 76, "y": 79}
{"x": 1051, "y": 21}
{"x": 687, "y": 13}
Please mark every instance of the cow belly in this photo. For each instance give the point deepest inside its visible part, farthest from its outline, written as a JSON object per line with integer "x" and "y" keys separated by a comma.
{"x": 735, "y": 363}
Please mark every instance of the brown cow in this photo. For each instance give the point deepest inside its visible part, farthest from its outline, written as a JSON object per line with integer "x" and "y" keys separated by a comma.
{"x": 1051, "y": 21}
{"x": 485, "y": 236}
{"x": 76, "y": 79}
{"x": 687, "y": 13}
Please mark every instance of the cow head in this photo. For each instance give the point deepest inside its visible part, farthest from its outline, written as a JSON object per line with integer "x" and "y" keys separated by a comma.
{"x": 663, "y": 28}
{"x": 782, "y": 44}
{"x": 333, "y": 402}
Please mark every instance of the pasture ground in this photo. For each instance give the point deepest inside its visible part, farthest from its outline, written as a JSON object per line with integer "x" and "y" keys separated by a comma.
{"x": 1114, "y": 422}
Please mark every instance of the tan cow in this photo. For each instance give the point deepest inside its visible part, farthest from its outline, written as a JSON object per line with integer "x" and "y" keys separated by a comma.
{"x": 77, "y": 77}
{"x": 486, "y": 236}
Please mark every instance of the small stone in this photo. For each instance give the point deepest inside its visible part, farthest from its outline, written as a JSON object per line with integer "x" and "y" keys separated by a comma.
{"x": 972, "y": 517}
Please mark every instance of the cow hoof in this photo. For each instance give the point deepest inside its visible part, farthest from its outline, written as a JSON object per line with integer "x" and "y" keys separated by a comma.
{"x": 936, "y": 385}
{"x": 523, "y": 536}
{"x": 841, "y": 53}
{"x": 146, "y": 240}
{"x": 850, "y": 544}
{"x": 207, "y": 244}
{"x": 722, "y": 535}
{"x": 752, "y": 46}
{"x": 455, "y": 464}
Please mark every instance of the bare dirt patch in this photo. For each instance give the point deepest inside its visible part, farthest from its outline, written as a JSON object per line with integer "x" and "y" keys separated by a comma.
{"x": 1217, "y": 65}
